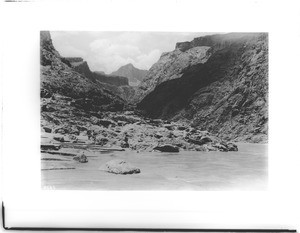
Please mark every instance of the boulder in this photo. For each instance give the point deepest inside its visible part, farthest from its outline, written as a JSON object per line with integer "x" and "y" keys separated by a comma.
{"x": 167, "y": 148}
{"x": 81, "y": 158}
{"x": 121, "y": 167}
{"x": 59, "y": 138}
{"x": 232, "y": 147}
{"x": 47, "y": 129}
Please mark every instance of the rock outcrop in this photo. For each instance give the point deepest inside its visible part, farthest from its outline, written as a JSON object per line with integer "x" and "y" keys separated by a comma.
{"x": 225, "y": 92}
{"x": 134, "y": 75}
{"x": 167, "y": 148}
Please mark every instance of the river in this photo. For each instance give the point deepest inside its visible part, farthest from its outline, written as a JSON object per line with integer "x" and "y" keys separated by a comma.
{"x": 246, "y": 169}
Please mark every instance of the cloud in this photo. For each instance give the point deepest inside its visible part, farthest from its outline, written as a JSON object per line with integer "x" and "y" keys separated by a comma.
{"x": 111, "y": 55}
{"x": 106, "y": 47}
{"x": 145, "y": 61}
{"x": 107, "y": 64}
{"x": 70, "y": 51}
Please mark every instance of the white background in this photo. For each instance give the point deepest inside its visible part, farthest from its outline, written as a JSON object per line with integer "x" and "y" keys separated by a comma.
{"x": 28, "y": 205}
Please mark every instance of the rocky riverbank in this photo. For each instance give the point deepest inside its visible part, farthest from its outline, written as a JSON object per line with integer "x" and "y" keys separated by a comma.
{"x": 70, "y": 132}
{"x": 65, "y": 121}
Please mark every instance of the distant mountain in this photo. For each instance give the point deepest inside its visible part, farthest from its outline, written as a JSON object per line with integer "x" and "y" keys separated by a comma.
{"x": 134, "y": 75}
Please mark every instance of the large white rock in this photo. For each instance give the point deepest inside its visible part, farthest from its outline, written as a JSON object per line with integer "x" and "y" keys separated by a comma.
{"x": 118, "y": 166}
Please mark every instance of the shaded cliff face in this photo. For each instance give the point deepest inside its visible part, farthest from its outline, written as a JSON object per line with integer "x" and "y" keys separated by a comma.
{"x": 58, "y": 77}
{"x": 170, "y": 66}
{"x": 227, "y": 94}
{"x": 134, "y": 75}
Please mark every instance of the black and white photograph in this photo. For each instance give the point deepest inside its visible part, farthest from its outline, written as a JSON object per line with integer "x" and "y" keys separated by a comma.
{"x": 154, "y": 110}
{"x": 150, "y": 116}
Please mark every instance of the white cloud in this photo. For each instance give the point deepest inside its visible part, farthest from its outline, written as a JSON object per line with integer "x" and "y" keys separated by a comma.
{"x": 107, "y": 64}
{"x": 100, "y": 44}
{"x": 145, "y": 61}
{"x": 110, "y": 56}
{"x": 70, "y": 51}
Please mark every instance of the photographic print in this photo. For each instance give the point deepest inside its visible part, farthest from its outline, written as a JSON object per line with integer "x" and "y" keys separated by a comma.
{"x": 154, "y": 110}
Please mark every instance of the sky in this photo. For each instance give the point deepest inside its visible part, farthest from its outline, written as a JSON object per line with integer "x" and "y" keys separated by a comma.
{"x": 108, "y": 51}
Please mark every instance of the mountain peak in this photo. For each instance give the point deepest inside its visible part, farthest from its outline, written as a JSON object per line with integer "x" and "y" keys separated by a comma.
{"x": 134, "y": 75}
{"x": 129, "y": 65}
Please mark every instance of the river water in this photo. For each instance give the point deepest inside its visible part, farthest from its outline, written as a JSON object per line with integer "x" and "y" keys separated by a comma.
{"x": 246, "y": 169}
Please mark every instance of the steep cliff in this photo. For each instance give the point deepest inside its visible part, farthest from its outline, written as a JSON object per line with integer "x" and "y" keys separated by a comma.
{"x": 170, "y": 66}
{"x": 134, "y": 75}
{"x": 58, "y": 77}
{"x": 226, "y": 93}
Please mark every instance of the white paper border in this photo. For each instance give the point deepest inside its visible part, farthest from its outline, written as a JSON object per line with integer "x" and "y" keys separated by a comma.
{"x": 27, "y": 204}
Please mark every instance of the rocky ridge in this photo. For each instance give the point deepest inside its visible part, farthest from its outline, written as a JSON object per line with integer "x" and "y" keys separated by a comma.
{"x": 82, "y": 67}
{"x": 116, "y": 84}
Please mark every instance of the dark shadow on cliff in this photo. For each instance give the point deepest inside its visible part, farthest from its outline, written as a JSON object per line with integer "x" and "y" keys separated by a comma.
{"x": 172, "y": 96}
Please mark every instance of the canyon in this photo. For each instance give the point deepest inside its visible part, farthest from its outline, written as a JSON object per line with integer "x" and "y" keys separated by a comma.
{"x": 205, "y": 96}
